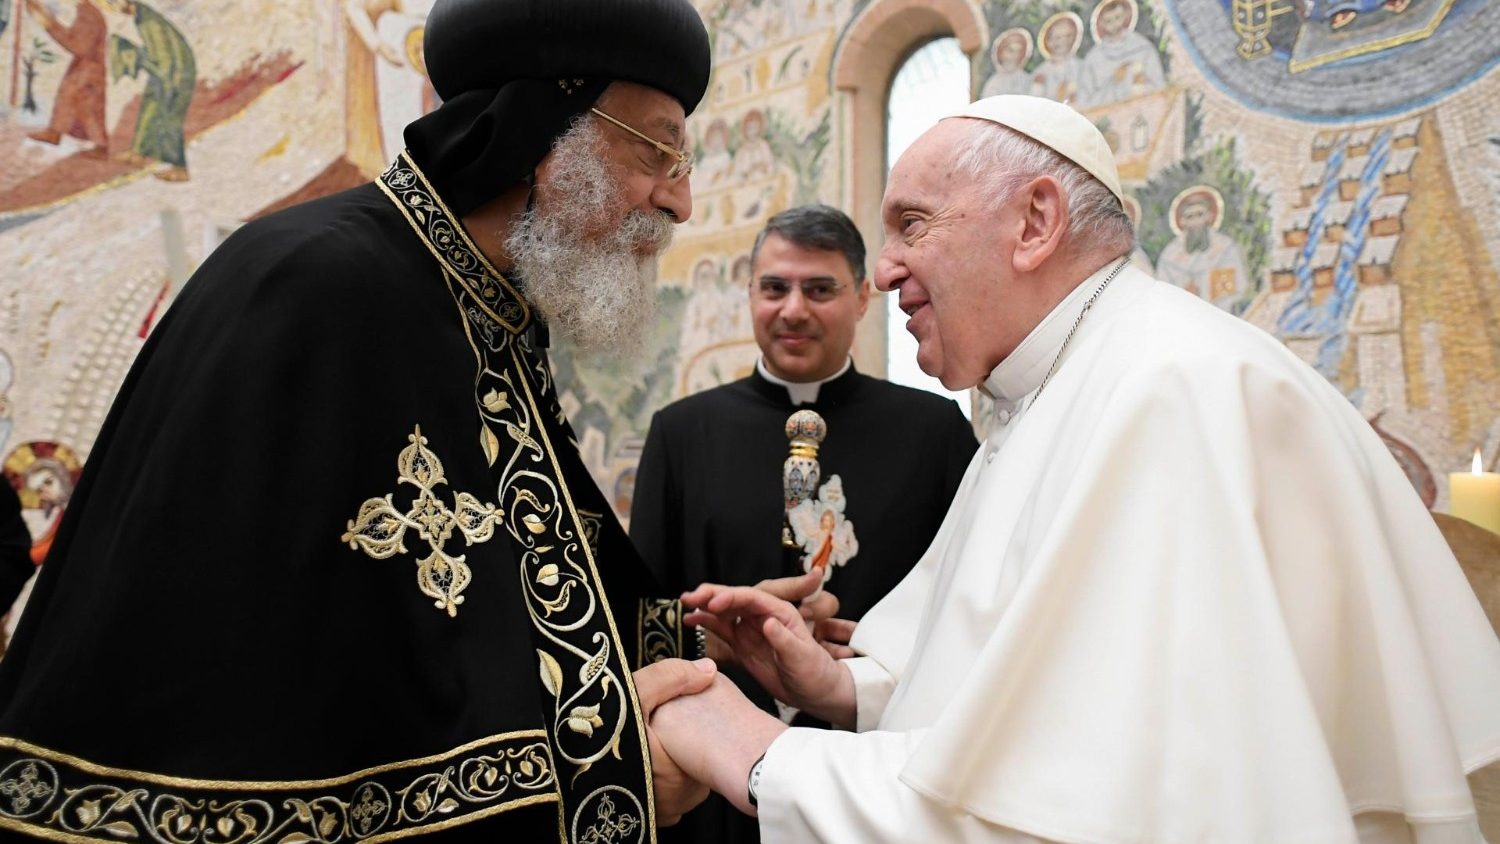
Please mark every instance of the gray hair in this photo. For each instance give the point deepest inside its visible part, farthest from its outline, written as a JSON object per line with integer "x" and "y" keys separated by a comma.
{"x": 820, "y": 227}
{"x": 1001, "y": 161}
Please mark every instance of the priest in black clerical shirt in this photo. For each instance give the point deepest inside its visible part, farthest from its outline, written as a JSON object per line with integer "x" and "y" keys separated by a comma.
{"x": 335, "y": 570}
{"x": 708, "y": 498}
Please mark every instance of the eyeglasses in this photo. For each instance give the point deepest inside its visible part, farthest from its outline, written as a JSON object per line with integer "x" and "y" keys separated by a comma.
{"x": 813, "y": 289}
{"x": 682, "y": 163}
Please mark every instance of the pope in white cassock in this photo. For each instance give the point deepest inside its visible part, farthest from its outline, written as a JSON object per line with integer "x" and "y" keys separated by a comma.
{"x": 1184, "y": 593}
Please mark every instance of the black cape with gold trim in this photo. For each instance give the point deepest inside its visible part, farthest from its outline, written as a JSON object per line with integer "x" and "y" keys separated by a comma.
{"x": 335, "y": 570}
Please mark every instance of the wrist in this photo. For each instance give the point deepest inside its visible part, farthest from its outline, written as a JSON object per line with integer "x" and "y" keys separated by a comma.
{"x": 838, "y": 706}
{"x": 752, "y": 786}
{"x": 734, "y": 776}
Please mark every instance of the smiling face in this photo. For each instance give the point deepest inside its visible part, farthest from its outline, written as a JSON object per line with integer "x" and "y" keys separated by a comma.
{"x": 947, "y": 254}
{"x": 802, "y": 339}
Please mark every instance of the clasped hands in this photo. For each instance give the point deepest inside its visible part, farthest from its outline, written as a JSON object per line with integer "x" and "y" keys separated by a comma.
{"x": 703, "y": 732}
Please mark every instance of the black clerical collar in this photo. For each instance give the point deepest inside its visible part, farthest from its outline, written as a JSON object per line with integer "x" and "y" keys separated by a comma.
{"x": 444, "y": 236}
{"x": 831, "y": 392}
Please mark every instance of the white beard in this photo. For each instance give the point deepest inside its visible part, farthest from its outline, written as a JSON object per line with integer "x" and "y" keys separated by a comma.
{"x": 599, "y": 292}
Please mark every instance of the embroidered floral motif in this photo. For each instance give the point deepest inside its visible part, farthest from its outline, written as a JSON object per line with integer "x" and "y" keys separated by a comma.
{"x": 99, "y": 803}
{"x": 380, "y": 527}
{"x": 28, "y": 787}
{"x": 609, "y": 825}
{"x": 581, "y": 664}
{"x": 660, "y": 628}
{"x": 562, "y": 590}
{"x": 497, "y": 300}
{"x": 593, "y": 525}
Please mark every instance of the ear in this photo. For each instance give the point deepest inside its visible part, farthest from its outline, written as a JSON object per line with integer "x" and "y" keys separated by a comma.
{"x": 1044, "y": 221}
{"x": 864, "y": 296}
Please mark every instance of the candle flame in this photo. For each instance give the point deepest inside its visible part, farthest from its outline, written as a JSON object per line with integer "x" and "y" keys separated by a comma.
{"x": 1478, "y": 467}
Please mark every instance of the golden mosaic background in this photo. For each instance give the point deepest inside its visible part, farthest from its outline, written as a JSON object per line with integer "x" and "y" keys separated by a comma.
{"x": 1358, "y": 214}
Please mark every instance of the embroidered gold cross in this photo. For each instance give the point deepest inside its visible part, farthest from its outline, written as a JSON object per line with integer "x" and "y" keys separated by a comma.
{"x": 380, "y": 527}
{"x": 28, "y": 787}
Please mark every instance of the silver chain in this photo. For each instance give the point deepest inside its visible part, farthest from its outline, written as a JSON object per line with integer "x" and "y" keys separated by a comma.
{"x": 1089, "y": 303}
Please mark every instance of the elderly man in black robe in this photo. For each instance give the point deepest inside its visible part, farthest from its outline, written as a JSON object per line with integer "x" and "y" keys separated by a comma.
{"x": 335, "y": 570}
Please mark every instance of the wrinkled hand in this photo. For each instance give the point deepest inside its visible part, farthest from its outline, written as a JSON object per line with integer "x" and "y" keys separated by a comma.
{"x": 817, "y": 606}
{"x": 655, "y": 685}
{"x": 771, "y": 640}
{"x": 716, "y": 736}
{"x": 834, "y": 635}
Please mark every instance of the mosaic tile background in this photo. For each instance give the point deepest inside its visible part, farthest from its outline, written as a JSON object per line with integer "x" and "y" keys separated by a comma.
{"x": 1333, "y": 179}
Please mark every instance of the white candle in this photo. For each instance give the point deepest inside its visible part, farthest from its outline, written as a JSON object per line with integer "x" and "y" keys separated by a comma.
{"x": 1475, "y": 495}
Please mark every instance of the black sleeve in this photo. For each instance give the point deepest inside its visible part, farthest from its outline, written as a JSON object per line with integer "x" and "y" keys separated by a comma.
{"x": 15, "y": 548}
{"x": 656, "y": 511}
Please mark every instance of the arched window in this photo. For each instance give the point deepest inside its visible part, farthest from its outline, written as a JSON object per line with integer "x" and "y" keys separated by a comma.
{"x": 931, "y": 84}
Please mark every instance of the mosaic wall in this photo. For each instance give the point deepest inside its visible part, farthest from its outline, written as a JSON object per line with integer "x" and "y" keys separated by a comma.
{"x": 1327, "y": 169}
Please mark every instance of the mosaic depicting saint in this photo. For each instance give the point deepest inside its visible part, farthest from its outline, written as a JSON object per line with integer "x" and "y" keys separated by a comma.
{"x": 1058, "y": 77}
{"x": 78, "y": 108}
{"x": 1009, "y": 54}
{"x": 43, "y": 474}
{"x": 714, "y": 162}
{"x": 1123, "y": 63}
{"x": 706, "y": 318}
{"x": 753, "y": 159}
{"x": 1201, "y": 259}
{"x": 166, "y": 59}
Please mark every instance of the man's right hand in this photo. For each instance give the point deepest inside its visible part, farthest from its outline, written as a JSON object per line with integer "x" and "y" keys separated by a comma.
{"x": 771, "y": 640}
{"x": 656, "y": 684}
{"x": 817, "y": 606}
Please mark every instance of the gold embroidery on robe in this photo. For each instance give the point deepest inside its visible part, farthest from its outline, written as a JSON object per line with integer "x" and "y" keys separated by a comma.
{"x": 660, "y": 630}
{"x": 54, "y": 795}
{"x": 380, "y": 527}
{"x": 580, "y": 661}
{"x": 445, "y": 238}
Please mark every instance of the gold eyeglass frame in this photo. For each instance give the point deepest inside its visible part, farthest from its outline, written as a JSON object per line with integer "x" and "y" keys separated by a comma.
{"x": 684, "y": 162}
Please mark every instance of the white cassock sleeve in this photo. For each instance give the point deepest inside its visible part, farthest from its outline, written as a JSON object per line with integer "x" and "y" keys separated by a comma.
{"x": 834, "y": 786}
{"x": 873, "y": 687}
